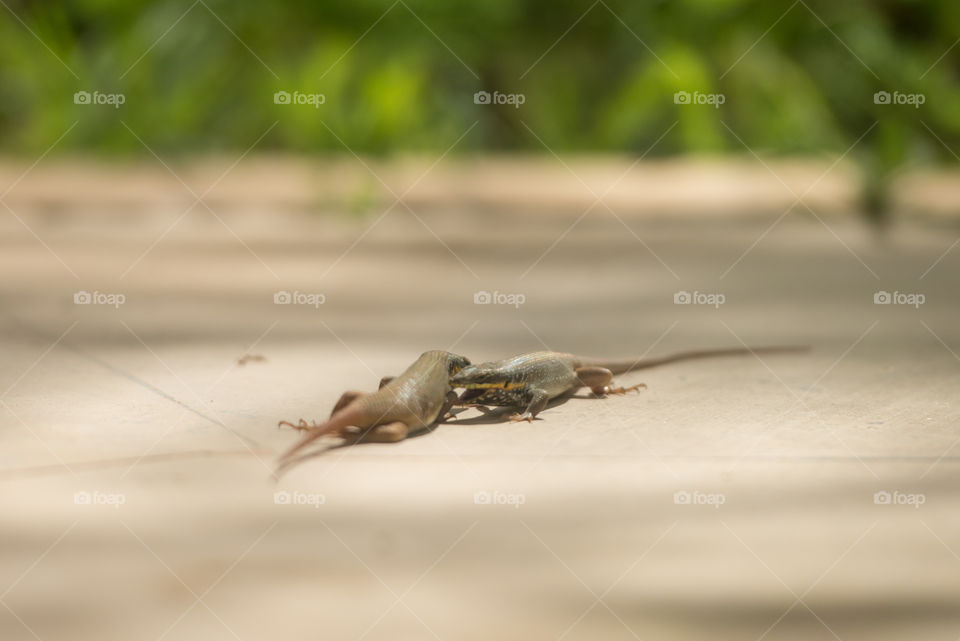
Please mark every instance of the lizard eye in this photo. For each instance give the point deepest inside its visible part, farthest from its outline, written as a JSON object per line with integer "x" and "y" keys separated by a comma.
{"x": 458, "y": 365}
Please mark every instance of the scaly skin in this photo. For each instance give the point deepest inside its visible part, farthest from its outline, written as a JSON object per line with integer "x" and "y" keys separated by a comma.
{"x": 529, "y": 381}
{"x": 412, "y": 401}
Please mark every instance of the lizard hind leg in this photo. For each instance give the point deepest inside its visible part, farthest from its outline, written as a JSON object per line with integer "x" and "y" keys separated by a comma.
{"x": 345, "y": 399}
{"x": 624, "y": 390}
{"x": 598, "y": 379}
{"x": 300, "y": 425}
{"x": 335, "y": 426}
{"x": 384, "y": 433}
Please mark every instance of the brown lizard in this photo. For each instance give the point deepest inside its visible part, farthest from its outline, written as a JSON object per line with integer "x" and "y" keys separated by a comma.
{"x": 410, "y": 402}
{"x": 529, "y": 381}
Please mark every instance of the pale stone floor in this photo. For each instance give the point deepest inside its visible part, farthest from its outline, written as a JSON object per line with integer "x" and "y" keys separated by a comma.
{"x": 144, "y": 410}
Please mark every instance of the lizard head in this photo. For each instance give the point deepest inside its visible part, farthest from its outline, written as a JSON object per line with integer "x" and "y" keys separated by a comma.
{"x": 456, "y": 363}
{"x": 439, "y": 358}
{"x": 482, "y": 376}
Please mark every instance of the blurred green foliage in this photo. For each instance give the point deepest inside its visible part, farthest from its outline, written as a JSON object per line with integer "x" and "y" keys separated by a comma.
{"x": 200, "y": 75}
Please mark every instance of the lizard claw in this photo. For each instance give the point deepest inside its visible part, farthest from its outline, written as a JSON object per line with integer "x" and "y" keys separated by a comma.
{"x": 300, "y": 426}
{"x": 624, "y": 390}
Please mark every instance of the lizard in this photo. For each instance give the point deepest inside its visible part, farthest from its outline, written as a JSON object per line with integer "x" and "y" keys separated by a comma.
{"x": 530, "y": 381}
{"x": 407, "y": 403}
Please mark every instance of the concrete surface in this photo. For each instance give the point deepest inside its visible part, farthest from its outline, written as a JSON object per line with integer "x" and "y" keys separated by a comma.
{"x": 733, "y": 499}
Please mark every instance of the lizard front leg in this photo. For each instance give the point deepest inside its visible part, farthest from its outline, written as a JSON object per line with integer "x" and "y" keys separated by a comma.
{"x": 448, "y": 403}
{"x": 536, "y": 400}
{"x": 469, "y": 396}
{"x": 475, "y": 398}
{"x": 598, "y": 379}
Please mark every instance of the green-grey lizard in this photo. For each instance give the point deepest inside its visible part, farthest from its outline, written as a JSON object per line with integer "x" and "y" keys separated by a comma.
{"x": 529, "y": 381}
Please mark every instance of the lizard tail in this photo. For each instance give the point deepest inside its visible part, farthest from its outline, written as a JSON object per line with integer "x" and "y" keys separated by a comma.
{"x": 350, "y": 415}
{"x": 629, "y": 365}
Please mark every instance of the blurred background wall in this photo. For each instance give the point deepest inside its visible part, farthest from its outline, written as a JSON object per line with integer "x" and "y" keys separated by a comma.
{"x": 811, "y": 77}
